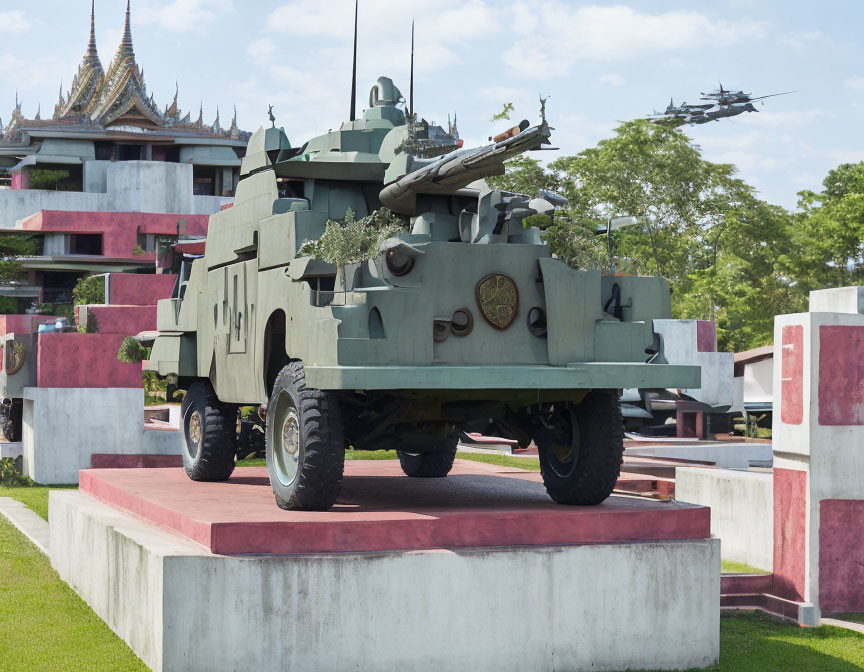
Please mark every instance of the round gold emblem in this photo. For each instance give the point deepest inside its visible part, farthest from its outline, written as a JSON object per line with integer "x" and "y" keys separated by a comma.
{"x": 15, "y": 357}
{"x": 498, "y": 299}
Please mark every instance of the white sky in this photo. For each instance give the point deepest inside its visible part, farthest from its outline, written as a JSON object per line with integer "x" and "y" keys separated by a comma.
{"x": 597, "y": 61}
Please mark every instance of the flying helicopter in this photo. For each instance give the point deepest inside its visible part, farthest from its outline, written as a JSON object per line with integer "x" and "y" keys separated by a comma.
{"x": 721, "y": 104}
{"x": 723, "y": 97}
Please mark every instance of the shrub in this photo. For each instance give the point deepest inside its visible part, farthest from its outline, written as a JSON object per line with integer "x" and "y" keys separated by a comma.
{"x": 10, "y": 476}
{"x": 132, "y": 351}
{"x": 89, "y": 291}
{"x": 352, "y": 240}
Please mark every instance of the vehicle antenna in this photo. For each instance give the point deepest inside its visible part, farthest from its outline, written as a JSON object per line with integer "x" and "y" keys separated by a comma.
{"x": 411, "y": 92}
{"x": 354, "y": 72}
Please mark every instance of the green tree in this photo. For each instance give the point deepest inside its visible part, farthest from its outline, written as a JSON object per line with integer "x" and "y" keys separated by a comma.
{"x": 47, "y": 178}
{"x": 828, "y": 233}
{"x": 704, "y": 230}
{"x": 12, "y": 247}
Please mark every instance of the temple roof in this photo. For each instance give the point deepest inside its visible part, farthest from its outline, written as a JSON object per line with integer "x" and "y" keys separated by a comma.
{"x": 117, "y": 98}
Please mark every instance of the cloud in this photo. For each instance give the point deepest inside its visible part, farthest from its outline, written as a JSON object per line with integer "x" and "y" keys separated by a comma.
{"x": 262, "y": 51}
{"x": 13, "y": 22}
{"x": 182, "y": 16}
{"x": 802, "y": 40}
{"x": 564, "y": 35}
{"x": 610, "y": 79}
{"x": 855, "y": 83}
{"x": 443, "y": 28}
{"x": 785, "y": 119}
{"x": 32, "y": 72}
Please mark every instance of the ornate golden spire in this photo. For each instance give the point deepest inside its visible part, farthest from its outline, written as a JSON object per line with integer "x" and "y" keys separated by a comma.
{"x": 126, "y": 43}
{"x": 92, "y": 55}
{"x": 88, "y": 80}
{"x": 124, "y": 92}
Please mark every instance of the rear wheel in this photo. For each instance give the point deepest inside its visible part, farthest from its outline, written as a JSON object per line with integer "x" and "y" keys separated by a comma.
{"x": 11, "y": 417}
{"x": 305, "y": 444}
{"x": 209, "y": 434}
{"x": 581, "y": 449}
{"x": 435, "y": 464}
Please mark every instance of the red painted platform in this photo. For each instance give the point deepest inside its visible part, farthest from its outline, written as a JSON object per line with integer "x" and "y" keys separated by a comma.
{"x": 380, "y": 509}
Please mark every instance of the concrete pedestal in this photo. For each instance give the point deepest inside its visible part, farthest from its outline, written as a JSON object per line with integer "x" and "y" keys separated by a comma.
{"x": 630, "y": 584}
{"x": 63, "y": 428}
{"x": 818, "y": 436}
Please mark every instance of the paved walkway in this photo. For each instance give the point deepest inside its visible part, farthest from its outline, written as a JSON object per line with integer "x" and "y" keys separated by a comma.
{"x": 31, "y": 525}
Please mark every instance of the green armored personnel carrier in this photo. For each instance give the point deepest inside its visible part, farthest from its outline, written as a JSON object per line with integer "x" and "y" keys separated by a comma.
{"x": 463, "y": 321}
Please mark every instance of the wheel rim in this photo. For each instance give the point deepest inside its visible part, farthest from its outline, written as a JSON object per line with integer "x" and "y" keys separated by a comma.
{"x": 194, "y": 433}
{"x": 286, "y": 439}
{"x": 564, "y": 448}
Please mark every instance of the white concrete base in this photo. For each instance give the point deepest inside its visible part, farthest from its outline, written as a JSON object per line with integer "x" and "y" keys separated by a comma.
{"x": 162, "y": 442}
{"x": 64, "y": 427}
{"x": 593, "y": 607}
{"x": 742, "y": 510}
{"x": 724, "y": 455}
{"x": 11, "y": 450}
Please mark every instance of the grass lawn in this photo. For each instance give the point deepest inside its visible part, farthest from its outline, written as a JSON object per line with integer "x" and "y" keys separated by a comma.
{"x": 730, "y": 567}
{"x": 44, "y": 625}
{"x": 754, "y": 642}
{"x": 854, "y": 618}
{"x": 36, "y": 496}
{"x": 529, "y": 463}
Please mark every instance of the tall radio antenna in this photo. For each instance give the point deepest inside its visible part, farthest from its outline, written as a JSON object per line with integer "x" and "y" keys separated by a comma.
{"x": 411, "y": 92}
{"x": 354, "y": 72}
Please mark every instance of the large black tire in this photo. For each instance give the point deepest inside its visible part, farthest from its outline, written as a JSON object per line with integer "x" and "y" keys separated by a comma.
{"x": 580, "y": 459}
{"x": 209, "y": 434}
{"x": 305, "y": 443}
{"x": 12, "y": 421}
{"x": 435, "y": 464}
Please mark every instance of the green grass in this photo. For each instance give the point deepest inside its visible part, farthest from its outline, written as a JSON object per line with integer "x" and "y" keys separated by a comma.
{"x": 854, "y": 618}
{"x": 35, "y": 496}
{"x": 44, "y": 625}
{"x": 529, "y": 463}
{"x": 754, "y": 642}
{"x": 730, "y": 567}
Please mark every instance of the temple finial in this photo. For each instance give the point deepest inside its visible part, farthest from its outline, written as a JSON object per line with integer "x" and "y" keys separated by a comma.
{"x": 126, "y": 42}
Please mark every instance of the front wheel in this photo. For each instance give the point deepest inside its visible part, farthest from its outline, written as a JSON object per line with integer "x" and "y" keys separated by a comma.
{"x": 434, "y": 464}
{"x": 305, "y": 445}
{"x": 581, "y": 449}
{"x": 209, "y": 434}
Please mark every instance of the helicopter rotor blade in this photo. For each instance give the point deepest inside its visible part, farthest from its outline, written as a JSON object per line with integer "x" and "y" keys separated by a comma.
{"x": 772, "y": 95}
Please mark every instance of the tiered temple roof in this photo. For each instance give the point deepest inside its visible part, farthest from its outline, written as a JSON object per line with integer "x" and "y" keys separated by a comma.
{"x": 115, "y": 100}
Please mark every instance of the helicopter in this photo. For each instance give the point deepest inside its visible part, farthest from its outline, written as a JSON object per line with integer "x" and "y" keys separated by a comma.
{"x": 721, "y": 104}
{"x": 724, "y": 97}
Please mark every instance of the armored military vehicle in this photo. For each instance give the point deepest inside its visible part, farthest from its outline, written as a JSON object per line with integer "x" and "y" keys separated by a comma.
{"x": 465, "y": 320}
{"x": 17, "y": 371}
{"x": 18, "y": 361}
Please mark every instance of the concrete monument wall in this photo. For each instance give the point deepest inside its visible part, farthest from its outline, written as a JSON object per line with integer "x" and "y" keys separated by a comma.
{"x": 818, "y": 437}
{"x": 123, "y": 186}
{"x": 742, "y": 510}
{"x": 695, "y": 342}
{"x": 64, "y": 427}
